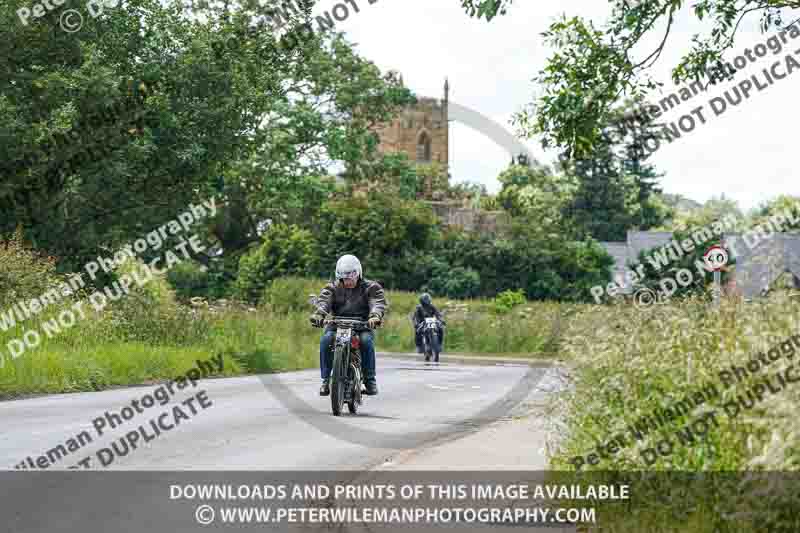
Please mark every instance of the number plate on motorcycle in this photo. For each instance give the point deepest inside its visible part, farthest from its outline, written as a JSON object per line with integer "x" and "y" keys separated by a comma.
{"x": 343, "y": 336}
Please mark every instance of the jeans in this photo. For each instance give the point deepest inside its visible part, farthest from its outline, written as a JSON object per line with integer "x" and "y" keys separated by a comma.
{"x": 367, "y": 353}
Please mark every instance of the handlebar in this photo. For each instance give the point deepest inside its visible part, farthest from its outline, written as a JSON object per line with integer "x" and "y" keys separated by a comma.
{"x": 347, "y": 322}
{"x": 343, "y": 322}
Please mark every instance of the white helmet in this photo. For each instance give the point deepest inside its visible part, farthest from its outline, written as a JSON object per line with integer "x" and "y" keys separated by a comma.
{"x": 348, "y": 266}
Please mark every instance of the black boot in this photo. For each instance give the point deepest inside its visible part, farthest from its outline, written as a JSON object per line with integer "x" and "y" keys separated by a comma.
{"x": 372, "y": 387}
{"x": 325, "y": 390}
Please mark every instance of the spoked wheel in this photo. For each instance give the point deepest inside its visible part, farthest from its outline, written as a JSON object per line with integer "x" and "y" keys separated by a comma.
{"x": 338, "y": 381}
{"x": 355, "y": 398}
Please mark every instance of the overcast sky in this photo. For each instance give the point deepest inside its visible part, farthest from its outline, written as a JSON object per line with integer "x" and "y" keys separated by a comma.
{"x": 749, "y": 152}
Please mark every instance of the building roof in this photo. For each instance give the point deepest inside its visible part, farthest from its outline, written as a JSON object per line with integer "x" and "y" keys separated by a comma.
{"x": 639, "y": 241}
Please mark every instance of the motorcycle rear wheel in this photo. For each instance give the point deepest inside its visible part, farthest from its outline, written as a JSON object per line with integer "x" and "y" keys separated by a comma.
{"x": 338, "y": 378}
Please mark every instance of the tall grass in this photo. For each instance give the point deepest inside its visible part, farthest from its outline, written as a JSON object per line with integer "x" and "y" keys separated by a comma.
{"x": 630, "y": 361}
{"x": 142, "y": 337}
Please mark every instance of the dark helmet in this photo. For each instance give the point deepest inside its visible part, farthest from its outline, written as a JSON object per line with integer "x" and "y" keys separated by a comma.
{"x": 425, "y": 299}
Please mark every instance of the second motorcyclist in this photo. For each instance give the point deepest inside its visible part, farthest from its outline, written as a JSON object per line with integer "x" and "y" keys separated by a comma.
{"x": 426, "y": 309}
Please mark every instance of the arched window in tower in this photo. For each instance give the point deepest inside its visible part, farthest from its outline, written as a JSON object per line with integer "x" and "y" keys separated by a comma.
{"x": 424, "y": 147}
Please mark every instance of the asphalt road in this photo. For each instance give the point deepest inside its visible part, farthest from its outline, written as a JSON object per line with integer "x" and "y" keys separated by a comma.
{"x": 275, "y": 422}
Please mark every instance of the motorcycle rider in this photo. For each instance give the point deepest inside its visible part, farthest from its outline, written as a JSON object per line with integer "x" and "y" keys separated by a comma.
{"x": 349, "y": 295}
{"x": 426, "y": 309}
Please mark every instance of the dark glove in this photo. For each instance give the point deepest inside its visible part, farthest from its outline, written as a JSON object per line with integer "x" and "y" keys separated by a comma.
{"x": 373, "y": 322}
{"x": 316, "y": 320}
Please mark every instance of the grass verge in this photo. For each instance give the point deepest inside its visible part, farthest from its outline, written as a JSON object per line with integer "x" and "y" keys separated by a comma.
{"x": 148, "y": 336}
{"x": 630, "y": 363}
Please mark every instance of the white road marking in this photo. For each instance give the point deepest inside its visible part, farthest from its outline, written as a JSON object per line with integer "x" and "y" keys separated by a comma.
{"x": 453, "y": 386}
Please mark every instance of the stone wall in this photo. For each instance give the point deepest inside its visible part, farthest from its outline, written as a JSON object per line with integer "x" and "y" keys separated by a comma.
{"x": 455, "y": 214}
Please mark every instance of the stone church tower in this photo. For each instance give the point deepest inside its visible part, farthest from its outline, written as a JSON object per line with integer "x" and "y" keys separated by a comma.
{"x": 420, "y": 131}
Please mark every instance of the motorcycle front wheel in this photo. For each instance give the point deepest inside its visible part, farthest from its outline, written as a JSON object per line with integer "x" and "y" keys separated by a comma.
{"x": 428, "y": 346}
{"x": 352, "y": 405}
{"x": 338, "y": 377}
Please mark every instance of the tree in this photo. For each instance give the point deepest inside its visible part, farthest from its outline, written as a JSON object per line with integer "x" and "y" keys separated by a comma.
{"x": 119, "y": 127}
{"x": 616, "y": 185}
{"x": 716, "y": 208}
{"x": 329, "y": 102}
{"x": 600, "y": 205}
{"x": 486, "y": 8}
{"x": 537, "y": 192}
{"x": 458, "y": 282}
{"x": 391, "y": 174}
{"x": 646, "y": 210}
{"x": 385, "y": 233}
{"x": 489, "y": 203}
{"x": 678, "y": 202}
{"x": 432, "y": 179}
{"x": 285, "y": 251}
{"x": 527, "y": 256}
{"x": 467, "y": 190}
{"x": 590, "y": 69}
{"x": 777, "y": 206}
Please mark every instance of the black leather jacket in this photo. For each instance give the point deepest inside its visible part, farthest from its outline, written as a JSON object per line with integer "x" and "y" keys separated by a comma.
{"x": 364, "y": 300}
{"x": 422, "y": 312}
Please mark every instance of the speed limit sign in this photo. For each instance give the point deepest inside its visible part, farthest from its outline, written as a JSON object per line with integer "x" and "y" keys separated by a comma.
{"x": 715, "y": 258}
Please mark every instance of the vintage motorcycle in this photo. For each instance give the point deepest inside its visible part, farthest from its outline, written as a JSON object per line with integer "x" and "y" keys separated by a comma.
{"x": 430, "y": 329}
{"x": 346, "y": 378}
